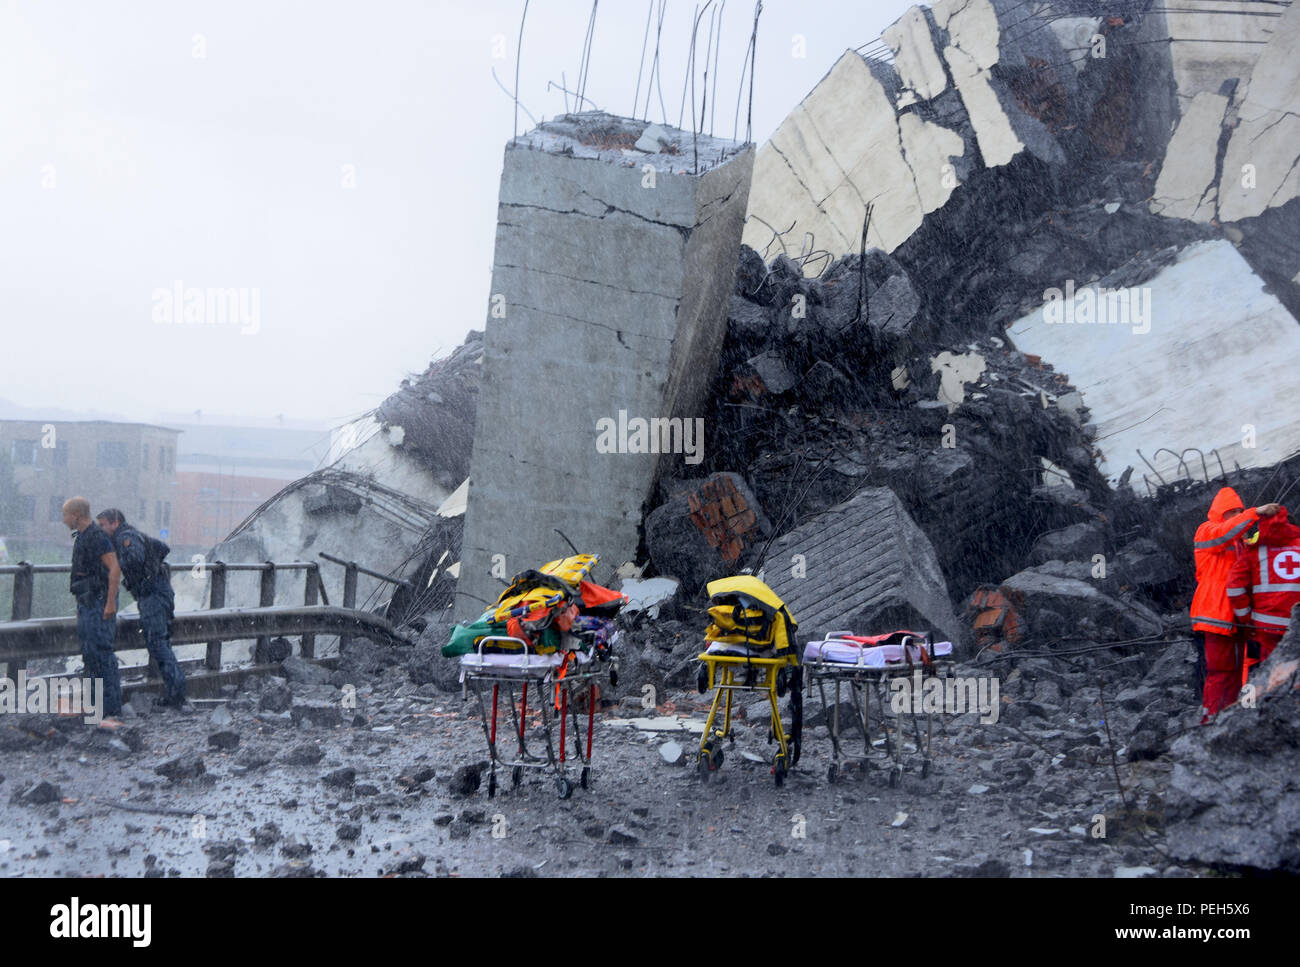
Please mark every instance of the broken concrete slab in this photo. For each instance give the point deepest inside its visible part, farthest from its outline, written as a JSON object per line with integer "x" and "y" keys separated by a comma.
{"x": 648, "y": 594}
{"x": 973, "y": 86}
{"x": 1207, "y": 313}
{"x": 662, "y": 723}
{"x": 585, "y": 236}
{"x": 381, "y": 535}
{"x": 1186, "y": 187}
{"x": 864, "y": 565}
{"x": 1212, "y": 44}
{"x": 915, "y": 58}
{"x": 843, "y": 145}
{"x": 1266, "y": 141}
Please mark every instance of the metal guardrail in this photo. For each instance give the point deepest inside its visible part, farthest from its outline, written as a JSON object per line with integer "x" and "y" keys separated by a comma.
{"x": 23, "y": 637}
{"x": 57, "y": 637}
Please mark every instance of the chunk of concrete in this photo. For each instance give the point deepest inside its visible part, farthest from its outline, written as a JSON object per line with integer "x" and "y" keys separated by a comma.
{"x": 706, "y": 530}
{"x": 862, "y": 565}
{"x": 774, "y": 373}
{"x": 646, "y": 594}
{"x": 1234, "y": 797}
{"x": 1076, "y": 607}
{"x": 672, "y": 753}
{"x": 1078, "y": 542}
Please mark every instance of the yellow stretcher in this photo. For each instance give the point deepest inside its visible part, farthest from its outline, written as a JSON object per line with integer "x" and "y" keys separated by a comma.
{"x": 750, "y": 647}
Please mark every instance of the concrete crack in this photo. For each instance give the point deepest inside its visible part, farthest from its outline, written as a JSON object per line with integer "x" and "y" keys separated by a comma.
{"x": 590, "y": 322}
{"x": 684, "y": 232}
{"x": 574, "y": 278}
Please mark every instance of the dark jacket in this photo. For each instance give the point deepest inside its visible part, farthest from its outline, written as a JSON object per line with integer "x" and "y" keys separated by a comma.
{"x": 141, "y": 559}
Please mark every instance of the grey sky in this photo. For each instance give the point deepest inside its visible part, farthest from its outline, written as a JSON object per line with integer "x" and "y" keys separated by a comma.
{"x": 145, "y": 143}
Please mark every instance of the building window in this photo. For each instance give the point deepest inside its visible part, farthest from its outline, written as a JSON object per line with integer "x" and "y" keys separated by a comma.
{"x": 111, "y": 456}
{"x": 23, "y": 453}
{"x": 60, "y": 455}
{"x": 167, "y": 514}
{"x": 144, "y": 457}
{"x": 27, "y": 508}
{"x": 161, "y": 455}
{"x": 56, "y": 508}
{"x": 144, "y": 511}
{"x": 171, "y": 460}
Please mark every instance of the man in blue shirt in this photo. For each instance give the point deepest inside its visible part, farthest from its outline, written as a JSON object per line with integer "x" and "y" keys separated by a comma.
{"x": 147, "y": 579}
{"x": 95, "y": 577}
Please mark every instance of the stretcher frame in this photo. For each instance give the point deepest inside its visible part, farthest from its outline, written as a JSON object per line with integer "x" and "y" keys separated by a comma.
{"x": 759, "y": 675}
{"x": 536, "y": 670}
{"x": 860, "y": 679}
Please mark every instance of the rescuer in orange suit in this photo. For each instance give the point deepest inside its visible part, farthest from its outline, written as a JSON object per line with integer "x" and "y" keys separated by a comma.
{"x": 1264, "y": 583}
{"x": 1216, "y": 545}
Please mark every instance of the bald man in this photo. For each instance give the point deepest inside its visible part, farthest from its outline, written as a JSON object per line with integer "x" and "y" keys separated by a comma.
{"x": 95, "y": 577}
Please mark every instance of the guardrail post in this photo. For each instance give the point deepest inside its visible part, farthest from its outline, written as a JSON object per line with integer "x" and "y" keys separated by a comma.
{"x": 24, "y": 582}
{"x": 265, "y": 599}
{"x": 309, "y": 598}
{"x": 349, "y": 597}
{"x": 216, "y": 599}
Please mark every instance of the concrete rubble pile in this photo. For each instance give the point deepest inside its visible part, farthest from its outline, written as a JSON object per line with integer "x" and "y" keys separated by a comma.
{"x": 1007, "y": 152}
{"x": 1234, "y": 799}
{"x": 896, "y": 431}
{"x": 432, "y": 415}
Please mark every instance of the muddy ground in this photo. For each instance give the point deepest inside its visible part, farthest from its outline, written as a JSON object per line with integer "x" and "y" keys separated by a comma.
{"x": 374, "y": 796}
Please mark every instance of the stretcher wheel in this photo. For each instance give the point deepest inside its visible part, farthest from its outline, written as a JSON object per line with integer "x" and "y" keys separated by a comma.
{"x": 492, "y": 786}
{"x": 585, "y": 778}
{"x": 563, "y": 787}
{"x": 778, "y": 771}
{"x": 718, "y": 758}
{"x": 832, "y": 774}
{"x": 782, "y": 683}
{"x": 516, "y": 776}
{"x": 895, "y": 777}
{"x": 702, "y": 679}
{"x": 925, "y": 768}
{"x": 613, "y": 678}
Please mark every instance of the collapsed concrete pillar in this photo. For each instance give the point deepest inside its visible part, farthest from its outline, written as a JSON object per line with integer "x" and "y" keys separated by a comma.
{"x": 613, "y": 270}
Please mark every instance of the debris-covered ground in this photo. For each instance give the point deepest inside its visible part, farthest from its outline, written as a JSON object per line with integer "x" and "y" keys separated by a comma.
{"x": 289, "y": 781}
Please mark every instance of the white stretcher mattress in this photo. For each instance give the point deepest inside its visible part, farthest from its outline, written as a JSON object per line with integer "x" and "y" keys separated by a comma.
{"x": 840, "y": 652}
{"x": 516, "y": 664}
{"x": 738, "y": 651}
